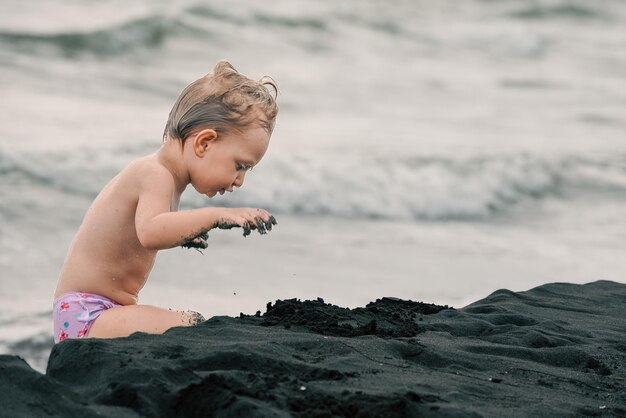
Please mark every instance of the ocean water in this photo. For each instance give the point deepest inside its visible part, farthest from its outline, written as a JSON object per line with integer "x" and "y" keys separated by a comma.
{"x": 434, "y": 151}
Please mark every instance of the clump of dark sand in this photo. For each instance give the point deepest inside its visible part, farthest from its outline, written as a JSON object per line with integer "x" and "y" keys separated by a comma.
{"x": 556, "y": 350}
{"x": 387, "y": 317}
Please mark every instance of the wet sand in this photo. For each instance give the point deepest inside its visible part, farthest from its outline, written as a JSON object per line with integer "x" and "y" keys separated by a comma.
{"x": 556, "y": 350}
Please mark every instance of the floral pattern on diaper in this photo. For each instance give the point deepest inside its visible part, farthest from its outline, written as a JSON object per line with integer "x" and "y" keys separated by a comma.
{"x": 83, "y": 331}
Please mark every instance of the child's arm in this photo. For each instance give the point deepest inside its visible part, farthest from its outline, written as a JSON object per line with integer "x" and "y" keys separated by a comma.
{"x": 159, "y": 228}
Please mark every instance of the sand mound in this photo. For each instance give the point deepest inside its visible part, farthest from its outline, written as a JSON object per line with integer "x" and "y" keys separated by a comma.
{"x": 556, "y": 350}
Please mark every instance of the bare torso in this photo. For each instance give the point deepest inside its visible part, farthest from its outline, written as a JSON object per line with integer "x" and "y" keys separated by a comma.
{"x": 106, "y": 257}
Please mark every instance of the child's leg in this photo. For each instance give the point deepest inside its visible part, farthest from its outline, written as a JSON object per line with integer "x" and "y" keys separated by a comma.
{"x": 124, "y": 320}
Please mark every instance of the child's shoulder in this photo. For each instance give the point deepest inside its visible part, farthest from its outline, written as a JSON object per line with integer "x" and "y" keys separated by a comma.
{"x": 148, "y": 169}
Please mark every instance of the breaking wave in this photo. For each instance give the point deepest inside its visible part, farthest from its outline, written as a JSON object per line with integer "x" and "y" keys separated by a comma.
{"x": 410, "y": 188}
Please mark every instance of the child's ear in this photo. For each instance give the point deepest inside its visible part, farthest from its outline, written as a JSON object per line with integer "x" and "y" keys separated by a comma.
{"x": 203, "y": 140}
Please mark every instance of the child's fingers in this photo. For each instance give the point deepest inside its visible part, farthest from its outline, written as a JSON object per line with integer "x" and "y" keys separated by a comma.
{"x": 248, "y": 219}
{"x": 197, "y": 242}
{"x": 264, "y": 221}
{"x": 246, "y": 230}
{"x": 260, "y": 226}
{"x": 263, "y": 214}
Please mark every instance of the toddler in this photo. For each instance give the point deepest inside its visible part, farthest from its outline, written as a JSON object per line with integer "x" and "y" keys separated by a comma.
{"x": 218, "y": 129}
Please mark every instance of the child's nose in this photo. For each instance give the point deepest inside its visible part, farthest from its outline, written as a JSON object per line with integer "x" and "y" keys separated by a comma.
{"x": 239, "y": 180}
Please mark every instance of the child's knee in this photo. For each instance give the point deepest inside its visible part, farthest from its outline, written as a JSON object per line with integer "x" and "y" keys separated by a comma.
{"x": 193, "y": 317}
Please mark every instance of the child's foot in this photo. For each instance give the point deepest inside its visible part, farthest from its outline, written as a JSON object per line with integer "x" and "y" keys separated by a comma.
{"x": 195, "y": 318}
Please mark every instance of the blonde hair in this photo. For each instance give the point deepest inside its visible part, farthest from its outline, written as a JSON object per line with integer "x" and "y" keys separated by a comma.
{"x": 222, "y": 100}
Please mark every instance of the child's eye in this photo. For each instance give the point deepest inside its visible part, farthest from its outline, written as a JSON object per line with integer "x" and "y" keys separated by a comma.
{"x": 241, "y": 167}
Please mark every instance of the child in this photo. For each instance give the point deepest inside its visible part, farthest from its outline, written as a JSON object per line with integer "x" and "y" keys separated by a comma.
{"x": 218, "y": 129}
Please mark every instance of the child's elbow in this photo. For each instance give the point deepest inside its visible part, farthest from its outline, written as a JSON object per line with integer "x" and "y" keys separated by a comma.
{"x": 148, "y": 244}
{"x": 149, "y": 241}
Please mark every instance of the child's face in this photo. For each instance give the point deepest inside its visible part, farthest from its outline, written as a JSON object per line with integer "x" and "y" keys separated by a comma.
{"x": 221, "y": 163}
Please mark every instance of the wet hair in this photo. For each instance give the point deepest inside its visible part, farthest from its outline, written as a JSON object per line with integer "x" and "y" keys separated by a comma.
{"x": 223, "y": 100}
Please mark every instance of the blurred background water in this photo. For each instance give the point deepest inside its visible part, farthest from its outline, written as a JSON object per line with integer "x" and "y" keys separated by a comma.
{"x": 428, "y": 150}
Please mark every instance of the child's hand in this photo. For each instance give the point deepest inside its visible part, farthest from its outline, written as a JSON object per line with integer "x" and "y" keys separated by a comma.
{"x": 198, "y": 242}
{"x": 248, "y": 219}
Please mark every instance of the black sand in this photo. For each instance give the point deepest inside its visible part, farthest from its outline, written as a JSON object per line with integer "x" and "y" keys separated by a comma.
{"x": 556, "y": 350}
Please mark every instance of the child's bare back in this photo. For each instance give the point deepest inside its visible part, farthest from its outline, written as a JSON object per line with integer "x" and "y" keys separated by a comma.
{"x": 218, "y": 129}
{"x": 106, "y": 257}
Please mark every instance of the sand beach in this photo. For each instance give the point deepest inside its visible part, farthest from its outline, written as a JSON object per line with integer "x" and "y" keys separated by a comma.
{"x": 557, "y": 350}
